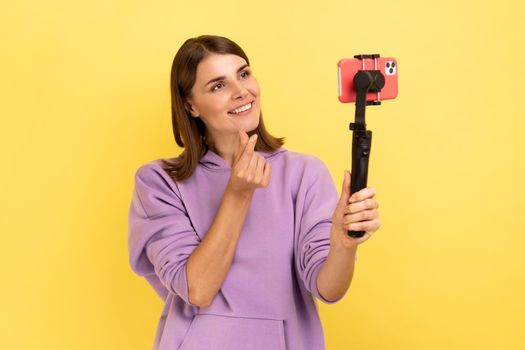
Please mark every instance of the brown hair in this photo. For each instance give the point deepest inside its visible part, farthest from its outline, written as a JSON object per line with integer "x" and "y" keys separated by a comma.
{"x": 190, "y": 132}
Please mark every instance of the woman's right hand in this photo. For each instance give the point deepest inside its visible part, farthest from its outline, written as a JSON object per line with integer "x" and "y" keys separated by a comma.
{"x": 250, "y": 169}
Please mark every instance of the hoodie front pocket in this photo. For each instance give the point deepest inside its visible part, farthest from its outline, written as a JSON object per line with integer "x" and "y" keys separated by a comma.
{"x": 233, "y": 333}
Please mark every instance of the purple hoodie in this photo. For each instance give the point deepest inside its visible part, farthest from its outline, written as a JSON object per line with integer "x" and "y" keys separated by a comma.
{"x": 266, "y": 300}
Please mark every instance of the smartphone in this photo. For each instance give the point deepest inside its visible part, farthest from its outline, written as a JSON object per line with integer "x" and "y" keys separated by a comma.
{"x": 348, "y": 68}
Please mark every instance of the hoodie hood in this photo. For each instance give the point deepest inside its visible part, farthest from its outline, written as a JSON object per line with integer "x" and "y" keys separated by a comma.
{"x": 212, "y": 160}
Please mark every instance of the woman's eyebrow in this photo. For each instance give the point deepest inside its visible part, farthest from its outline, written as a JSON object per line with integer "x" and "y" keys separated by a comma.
{"x": 223, "y": 77}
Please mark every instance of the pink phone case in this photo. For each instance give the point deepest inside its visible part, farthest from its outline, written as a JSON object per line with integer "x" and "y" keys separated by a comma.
{"x": 349, "y": 67}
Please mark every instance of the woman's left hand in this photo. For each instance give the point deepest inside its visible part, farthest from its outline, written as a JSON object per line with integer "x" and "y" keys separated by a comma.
{"x": 358, "y": 212}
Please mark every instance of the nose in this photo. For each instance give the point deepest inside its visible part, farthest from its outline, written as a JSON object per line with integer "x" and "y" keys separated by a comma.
{"x": 240, "y": 91}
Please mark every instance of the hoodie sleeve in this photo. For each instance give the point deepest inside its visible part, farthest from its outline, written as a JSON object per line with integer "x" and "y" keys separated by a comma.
{"x": 160, "y": 234}
{"x": 316, "y": 201}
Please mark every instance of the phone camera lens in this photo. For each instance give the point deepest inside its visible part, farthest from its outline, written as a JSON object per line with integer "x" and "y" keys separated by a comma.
{"x": 393, "y": 64}
{"x": 391, "y": 70}
{"x": 388, "y": 65}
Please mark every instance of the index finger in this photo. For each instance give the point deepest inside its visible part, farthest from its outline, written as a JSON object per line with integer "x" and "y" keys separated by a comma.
{"x": 247, "y": 153}
{"x": 368, "y": 192}
{"x": 243, "y": 141}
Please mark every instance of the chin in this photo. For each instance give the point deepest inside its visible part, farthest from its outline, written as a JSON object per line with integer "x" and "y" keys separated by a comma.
{"x": 255, "y": 124}
{"x": 249, "y": 122}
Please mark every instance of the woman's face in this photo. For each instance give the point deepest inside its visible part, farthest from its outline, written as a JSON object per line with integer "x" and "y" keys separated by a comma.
{"x": 225, "y": 96}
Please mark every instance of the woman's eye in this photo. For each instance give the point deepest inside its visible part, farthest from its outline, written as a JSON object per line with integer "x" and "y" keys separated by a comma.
{"x": 245, "y": 74}
{"x": 217, "y": 86}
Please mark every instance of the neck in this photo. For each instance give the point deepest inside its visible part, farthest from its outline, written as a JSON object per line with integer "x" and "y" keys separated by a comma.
{"x": 227, "y": 148}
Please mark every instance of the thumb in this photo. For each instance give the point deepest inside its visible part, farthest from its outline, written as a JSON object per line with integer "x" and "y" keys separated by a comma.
{"x": 345, "y": 191}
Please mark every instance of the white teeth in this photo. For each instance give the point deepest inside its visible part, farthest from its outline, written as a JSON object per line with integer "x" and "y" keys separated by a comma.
{"x": 242, "y": 108}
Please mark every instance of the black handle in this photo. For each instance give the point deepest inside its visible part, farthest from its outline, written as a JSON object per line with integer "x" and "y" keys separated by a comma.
{"x": 361, "y": 147}
{"x": 364, "y": 81}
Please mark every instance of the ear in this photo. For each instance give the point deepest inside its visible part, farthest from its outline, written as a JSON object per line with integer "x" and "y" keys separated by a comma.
{"x": 190, "y": 108}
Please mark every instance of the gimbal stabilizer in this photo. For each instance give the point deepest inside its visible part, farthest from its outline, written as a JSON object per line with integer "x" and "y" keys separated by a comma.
{"x": 365, "y": 81}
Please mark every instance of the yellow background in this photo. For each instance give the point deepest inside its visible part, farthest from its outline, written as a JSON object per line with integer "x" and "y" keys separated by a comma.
{"x": 85, "y": 101}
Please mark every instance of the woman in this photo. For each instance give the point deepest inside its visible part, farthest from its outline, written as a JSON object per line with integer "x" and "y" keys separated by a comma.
{"x": 238, "y": 234}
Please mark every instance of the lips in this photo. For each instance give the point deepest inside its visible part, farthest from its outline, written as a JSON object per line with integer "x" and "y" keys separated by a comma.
{"x": 242, "y": 108}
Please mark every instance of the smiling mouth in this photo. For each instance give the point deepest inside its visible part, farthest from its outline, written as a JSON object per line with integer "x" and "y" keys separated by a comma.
{"x": 242, "y": 110}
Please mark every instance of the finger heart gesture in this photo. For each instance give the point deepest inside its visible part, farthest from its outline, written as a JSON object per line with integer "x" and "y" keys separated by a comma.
{"x": 250, "y": 170}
